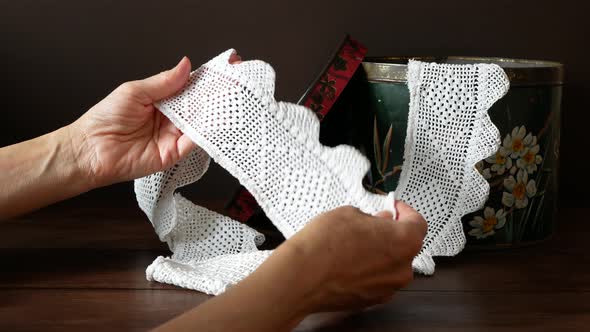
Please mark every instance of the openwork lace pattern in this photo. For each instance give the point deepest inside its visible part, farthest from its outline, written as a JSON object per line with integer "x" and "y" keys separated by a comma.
{"x": 273, "y": 149}
{"x": 449, "y": 131}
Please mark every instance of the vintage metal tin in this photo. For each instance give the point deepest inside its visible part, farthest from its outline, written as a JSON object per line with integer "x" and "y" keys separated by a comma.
{"x": 523, "y": 197}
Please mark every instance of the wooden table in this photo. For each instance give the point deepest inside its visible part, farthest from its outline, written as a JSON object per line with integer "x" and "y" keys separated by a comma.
{"x": 80, "y": 268}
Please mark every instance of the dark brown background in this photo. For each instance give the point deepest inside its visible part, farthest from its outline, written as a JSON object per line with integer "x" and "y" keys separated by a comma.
{"x": 58, "y": 58}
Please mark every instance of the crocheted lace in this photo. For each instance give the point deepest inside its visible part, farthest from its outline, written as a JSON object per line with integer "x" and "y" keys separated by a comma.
{"x": 449, "y": 131}
{"x": 210, "y": 251}
{"x": 273, "y": 149}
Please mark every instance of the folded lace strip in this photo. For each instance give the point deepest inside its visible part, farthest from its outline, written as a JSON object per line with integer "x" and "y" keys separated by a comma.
{"x": 273, "y": 149}
{"x": 449, "y": 131}
{"x": 210, "y": 251}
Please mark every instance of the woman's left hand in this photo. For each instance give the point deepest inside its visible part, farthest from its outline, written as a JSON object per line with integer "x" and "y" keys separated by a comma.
{"x": 124, "y": 136}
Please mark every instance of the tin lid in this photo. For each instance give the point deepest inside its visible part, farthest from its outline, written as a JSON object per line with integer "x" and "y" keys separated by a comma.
{"x": 521, "y": 72}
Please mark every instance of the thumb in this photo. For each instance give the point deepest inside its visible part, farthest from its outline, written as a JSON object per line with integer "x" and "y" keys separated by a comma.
{"x": 414, "y": 224}
{"x": 166, "y": 83}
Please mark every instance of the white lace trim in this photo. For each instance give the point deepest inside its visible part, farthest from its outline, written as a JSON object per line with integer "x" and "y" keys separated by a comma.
{"x": 449, "y": 131}
{"x": 273, "y": 149}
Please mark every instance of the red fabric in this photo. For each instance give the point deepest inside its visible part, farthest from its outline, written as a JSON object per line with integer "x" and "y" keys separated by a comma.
{"x": 320, "y": 98}
{"x": 343, "y": 66}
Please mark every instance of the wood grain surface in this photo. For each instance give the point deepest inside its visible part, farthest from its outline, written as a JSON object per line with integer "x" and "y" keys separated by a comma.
{"x": 74, "y": 269}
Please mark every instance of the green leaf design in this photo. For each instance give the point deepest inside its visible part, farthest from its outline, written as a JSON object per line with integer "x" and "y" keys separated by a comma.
{"x": 386, "y": 145}
{"x": 376, "y": 147}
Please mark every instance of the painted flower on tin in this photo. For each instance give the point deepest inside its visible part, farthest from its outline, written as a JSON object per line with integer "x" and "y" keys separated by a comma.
{"x": 500, "y": 161}
{"x": 486, "y": 225}
{"x": 512, "y": 173}
{"x": 516, "y": 142}
{"x": 519, "y": 190}
{"x": 531, "y": 157}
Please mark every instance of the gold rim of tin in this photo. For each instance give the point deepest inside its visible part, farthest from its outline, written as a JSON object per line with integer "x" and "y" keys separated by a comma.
{"x": 521, "y": 72}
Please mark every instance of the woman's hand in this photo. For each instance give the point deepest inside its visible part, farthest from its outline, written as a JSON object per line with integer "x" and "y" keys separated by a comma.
{"x": 121, "y": 138}
{"x": 124, "y": 136}
{"x": 342, "y": 260}
{"x": 357, "y": 260}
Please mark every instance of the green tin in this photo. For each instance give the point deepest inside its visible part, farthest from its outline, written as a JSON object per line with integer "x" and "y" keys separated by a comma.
{"x": 522, "y": 205}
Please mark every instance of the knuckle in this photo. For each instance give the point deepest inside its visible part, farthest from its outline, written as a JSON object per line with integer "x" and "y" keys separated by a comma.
{"x": 127, "y": 88}
{"x": 346, "y": 214}
{"x": 348, "y": 209}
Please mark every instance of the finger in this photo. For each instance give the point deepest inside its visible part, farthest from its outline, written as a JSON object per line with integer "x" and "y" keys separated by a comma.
{"x": 404, "y": 209}
{"x": 384, "y": 214}
{"x": 167, "y": 83}
{"x": 181, "y": 143}
{"x": 235, "y": 58}
{"x": 413, "y": 225}
{"x": 185, "y": 145}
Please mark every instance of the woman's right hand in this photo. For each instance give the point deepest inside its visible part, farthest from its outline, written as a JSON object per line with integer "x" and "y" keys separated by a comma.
{"x": 343, "y": 259}
{"x": 354, "y": 260}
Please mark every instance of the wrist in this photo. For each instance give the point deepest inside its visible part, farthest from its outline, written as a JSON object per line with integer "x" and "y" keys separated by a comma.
{"x": 39, "y": 172}
{"x": 304, "y": 277}
{"x": 75, "y": 154}
{"x": 276, "y": 297}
